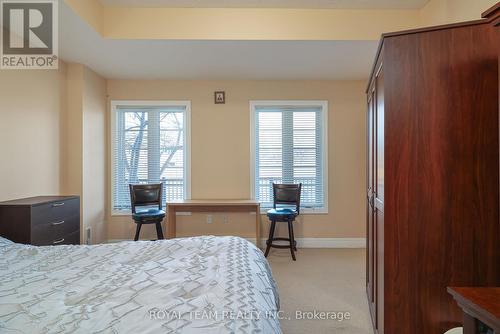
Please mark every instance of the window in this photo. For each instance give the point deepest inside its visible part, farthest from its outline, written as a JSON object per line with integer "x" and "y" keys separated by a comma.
{"x": 289, "y": 146}
{"x": 150, "y": 145}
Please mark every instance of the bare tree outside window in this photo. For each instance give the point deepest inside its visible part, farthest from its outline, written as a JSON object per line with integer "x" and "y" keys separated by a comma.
{"x": 149, "y": 149}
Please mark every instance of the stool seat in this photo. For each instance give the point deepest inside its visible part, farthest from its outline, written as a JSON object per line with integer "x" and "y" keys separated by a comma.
{"x": 281, "y": 214}
{"x": 148, "y": 215}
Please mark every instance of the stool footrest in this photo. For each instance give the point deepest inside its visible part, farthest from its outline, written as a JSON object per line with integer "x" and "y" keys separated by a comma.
{"x": 270, "y": 243}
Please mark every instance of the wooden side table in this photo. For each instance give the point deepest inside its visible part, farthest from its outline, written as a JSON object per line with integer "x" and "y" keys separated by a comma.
{"x": 480, "y": 305}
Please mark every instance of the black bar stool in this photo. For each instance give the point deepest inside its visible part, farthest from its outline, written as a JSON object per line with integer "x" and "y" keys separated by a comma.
{"x": 284, "y": 194}
{"x": 147, "y": 195}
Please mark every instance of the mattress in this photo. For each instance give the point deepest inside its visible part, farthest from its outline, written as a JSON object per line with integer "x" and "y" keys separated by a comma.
{"x": 186, "y": 285}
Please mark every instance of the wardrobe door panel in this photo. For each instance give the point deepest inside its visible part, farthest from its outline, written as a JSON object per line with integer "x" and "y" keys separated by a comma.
{"x": 442, "y": 158}
{"x": 369, "y": 211}
{"x": 379, "y": 114}
{"x": 371, "y": 239}
{"x": 379, "y": 288}
{"x": 379, "y": 199}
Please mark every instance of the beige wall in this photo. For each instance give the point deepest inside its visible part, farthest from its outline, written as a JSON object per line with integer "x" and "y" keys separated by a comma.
{"x": 269, "y": 23}
{"x": 72, "y": 132}
{"x": 220, "y": 151}
{"x": 94, "y": 155}
{"x": 31, "y": 109}
{"x": 452, "y": 11}
{"x": 84, "y": 142}
{"x": 254, "y": 23}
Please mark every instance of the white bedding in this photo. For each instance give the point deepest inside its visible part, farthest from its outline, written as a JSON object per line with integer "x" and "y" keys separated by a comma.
{"x": 192, "y": 285}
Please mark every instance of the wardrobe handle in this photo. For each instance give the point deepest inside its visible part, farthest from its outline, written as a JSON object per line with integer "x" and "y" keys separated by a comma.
{"x": 58, "y": 223}
{"x": 371, "y": 199}
{"x": 58, "y": 241}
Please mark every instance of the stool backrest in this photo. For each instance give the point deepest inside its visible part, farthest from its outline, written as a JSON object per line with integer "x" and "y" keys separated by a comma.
{"x": 145, "y": 195}
{"x": 288, "y": 194}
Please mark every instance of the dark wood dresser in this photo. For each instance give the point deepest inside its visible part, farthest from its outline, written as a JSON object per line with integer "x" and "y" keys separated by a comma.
{"x": 41, "y": 221}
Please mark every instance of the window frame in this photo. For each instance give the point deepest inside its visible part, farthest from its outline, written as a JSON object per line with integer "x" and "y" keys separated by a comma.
{"x": 323, "y": 104}
{"x": 187, "y": 143}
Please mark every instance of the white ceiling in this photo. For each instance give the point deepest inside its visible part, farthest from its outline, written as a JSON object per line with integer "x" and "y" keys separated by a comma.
{"x": 358, "y": 4}
{"x": 212, "y": 60}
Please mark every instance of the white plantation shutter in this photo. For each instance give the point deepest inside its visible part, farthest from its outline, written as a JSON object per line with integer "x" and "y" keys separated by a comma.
{"x": 149, "y": 147}
{"x": 289, "y": 144}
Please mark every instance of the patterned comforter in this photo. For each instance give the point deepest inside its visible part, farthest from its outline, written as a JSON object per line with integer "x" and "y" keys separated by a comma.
{"x": 191, "y": 285}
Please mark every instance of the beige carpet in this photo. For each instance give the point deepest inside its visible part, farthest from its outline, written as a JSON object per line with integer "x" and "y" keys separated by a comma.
{"x": 328, "y": 280}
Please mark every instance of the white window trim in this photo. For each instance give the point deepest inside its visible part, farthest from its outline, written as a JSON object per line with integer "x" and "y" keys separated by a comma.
{"x": 187, "y": 143}
{"x": 324, "y": 139}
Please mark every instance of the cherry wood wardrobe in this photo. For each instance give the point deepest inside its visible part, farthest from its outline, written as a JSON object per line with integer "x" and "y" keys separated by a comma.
{"x": 432, "y": 174}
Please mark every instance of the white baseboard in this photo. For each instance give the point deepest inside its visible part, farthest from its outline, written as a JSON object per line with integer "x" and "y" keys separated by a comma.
{"x": 323, "y": 242}
{"x": 309, "y": 242}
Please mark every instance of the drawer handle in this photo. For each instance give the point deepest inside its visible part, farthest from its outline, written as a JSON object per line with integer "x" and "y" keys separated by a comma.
{"x": 58, "y": 241}
{"x": 55, "y": 205}
{"x": 58, "y": 223}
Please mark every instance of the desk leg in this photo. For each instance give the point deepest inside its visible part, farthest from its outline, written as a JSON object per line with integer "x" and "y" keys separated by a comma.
{"x": 171, "y": 222}
{"x": 257, "y": 222}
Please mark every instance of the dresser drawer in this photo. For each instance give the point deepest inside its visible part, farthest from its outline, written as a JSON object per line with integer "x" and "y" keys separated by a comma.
{"x": 56, "y": 230}
{"x": 73, "y": 238}
{"x": 68, "y": 239}
{"x": 55, "y": 211}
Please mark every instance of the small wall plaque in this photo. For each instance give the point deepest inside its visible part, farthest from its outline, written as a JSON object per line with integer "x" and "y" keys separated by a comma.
{"x": 220, "y": 97}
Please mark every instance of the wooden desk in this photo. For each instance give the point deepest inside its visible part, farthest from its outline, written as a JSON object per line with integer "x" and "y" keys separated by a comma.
{"x": 219, "y": 205}
{"x": 478, "y": 304}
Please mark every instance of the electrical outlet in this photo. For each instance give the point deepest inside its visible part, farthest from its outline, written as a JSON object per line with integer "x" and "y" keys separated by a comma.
{"x": 209, "y": 219}
{"x": 225, "y": 219}
{"x": 88, "y": 235}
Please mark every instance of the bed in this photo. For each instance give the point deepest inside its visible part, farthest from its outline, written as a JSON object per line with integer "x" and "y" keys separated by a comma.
{"x": 186, "y": 285}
